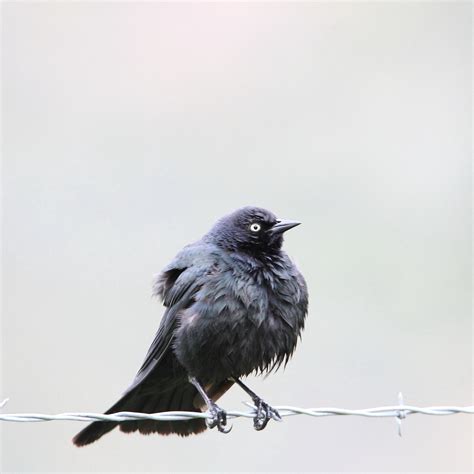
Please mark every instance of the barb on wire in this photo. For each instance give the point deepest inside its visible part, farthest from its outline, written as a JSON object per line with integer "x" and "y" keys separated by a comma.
{"x": 399, "y": 412}
{"x": 401, "y": 415}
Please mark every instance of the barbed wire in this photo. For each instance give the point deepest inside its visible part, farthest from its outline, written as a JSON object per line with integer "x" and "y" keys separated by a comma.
{"x": 400, "y": 412}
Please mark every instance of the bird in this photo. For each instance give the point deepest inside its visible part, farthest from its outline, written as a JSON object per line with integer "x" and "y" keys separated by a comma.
{"x": 235, "y": 304}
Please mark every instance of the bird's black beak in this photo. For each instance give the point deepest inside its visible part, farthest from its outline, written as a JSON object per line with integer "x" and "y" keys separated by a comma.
{"x": 282, "y": 226}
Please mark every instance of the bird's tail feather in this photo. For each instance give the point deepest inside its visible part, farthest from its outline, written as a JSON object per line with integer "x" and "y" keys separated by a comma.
{"x": 178, "y": 398}
{"x": 97, "y": 429}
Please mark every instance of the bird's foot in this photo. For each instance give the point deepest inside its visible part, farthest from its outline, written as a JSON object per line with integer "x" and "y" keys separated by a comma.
{"x": 264, "y": 414}
{"x": 219, "y": 419}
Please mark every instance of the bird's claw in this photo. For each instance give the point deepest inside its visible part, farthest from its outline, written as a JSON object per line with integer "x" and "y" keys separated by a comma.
{"x": 219, "y": 419}
{"x": 264, "y": 414}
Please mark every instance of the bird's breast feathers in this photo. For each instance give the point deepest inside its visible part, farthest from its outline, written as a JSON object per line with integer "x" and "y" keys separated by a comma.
{"x": 255, "y": 317}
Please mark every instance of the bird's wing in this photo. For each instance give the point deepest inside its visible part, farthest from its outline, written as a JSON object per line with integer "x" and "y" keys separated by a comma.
{"x": 176, "y": 285}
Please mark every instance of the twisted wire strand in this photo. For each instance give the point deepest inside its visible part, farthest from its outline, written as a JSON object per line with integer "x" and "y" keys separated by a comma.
{"x": 397, "y": 411}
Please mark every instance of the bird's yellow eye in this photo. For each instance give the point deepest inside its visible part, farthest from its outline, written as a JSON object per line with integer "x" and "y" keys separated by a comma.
{"x": 255, "y": 227}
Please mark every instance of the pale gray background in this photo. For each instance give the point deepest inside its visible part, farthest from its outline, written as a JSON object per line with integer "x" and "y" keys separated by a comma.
{"x": 129, "y": 128}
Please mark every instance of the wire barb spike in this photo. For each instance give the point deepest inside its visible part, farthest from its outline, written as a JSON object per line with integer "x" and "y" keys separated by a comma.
{"x": 401, "y": 414}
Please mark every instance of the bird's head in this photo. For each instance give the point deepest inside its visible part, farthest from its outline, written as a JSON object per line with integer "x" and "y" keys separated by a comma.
{"x": 251, "y": 229}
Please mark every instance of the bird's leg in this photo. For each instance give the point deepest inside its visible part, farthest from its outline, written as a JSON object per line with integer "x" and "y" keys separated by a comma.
{"x": 219, "y": 416}
{"x": 264, "y": 411}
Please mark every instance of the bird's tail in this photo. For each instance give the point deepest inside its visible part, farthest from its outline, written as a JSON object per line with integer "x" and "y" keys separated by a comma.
{"x": 181, "y": 397}
{"x": 97, "y": 429}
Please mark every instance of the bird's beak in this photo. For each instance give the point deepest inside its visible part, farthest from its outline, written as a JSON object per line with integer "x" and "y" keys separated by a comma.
{"x": 282, "y": 226}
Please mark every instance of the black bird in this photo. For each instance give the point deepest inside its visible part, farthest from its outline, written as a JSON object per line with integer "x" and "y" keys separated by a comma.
{"x": 235, "y": 304}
